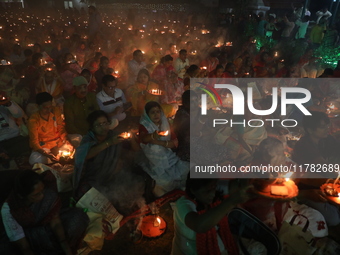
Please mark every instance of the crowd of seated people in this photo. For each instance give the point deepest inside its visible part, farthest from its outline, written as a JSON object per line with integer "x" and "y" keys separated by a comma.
{"x": 82, "y": 94}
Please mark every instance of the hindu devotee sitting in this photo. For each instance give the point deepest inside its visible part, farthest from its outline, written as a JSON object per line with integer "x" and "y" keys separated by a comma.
{"x": 97, "y": 156}
{"x": 181, "y": 63}
{"x": 47, "y": 132}
{"x": 241, "y": 140}
{"x": 34, "y": 221}
{"x": 145, "y": 90}
{"x": 51, "y": 83}
{"x": 317, "y": 147}
{"x": 55, "y": 32}
{"x": 78, "y": 106}
{"x": 70, "y": 70}
{"x": 201, "y": 221}
{"x": 112, "y": 99}
{"x": 102, "y": 71}
{"x": 33, "y": 73}
{"x": 195, "y": 143}
{"x": 10, "y": 131}
{"x": 162, "y": 70}
{"x": 139, "y": 93}
{"x": 135, "y": 65}
{"x": 157, "y": 140}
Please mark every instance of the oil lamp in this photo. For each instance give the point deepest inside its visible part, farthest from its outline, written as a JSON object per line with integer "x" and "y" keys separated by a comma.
{"x": 153, "y": 226}
{"x": 163, "y": 133}
{"x": 125, "y": 135}
{"x": 156, "y": 92}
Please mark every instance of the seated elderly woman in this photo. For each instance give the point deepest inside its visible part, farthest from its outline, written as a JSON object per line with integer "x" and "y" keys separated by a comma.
{"x": 47, "y": 132}
{"x": 139, "y": 94}
{"x": 157, "y": 140}
{"x": 97, "y": 156}
{"x": 34, "y": 221}
{"x": 200, "y": 221}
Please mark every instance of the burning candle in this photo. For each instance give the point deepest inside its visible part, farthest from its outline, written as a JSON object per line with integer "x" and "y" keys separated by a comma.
{"x": 157, "y": 222}
{"x": 276, "y": 54}
{"x": 49, "y": 69}
{"x": 204, "y": 68}
{"x": 246, "y": 73}
{"x": 3, "y": 98}
{"x": 125, "y": 135}
{"x": 65, "y": 153}
{"x": 156, "y": 92}
{"x": 229, "y": 44}
{"x": 163, "y": 133}
{"x": 288, "y": 175}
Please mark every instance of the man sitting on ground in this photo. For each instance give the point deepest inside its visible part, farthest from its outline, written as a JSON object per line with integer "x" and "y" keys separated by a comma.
{"x": 47, "y": 132}
{"x": 111, "y": 99}
{"x": 78, "y": 106}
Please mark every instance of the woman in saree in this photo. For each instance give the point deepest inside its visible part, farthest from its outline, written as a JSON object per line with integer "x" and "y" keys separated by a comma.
{"x": 139, "y": 95}
{"x": 34, "y": 221}
{"x": 160, "y": 73}
{"x": 157, "y": 141}
{"x": 96, "y": 162}
{"x": 97, "y": 156}
{"x": 70, "y": 69}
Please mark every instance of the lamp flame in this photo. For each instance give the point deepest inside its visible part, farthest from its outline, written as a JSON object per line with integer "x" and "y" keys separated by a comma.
{"x": 163, "y": 133}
